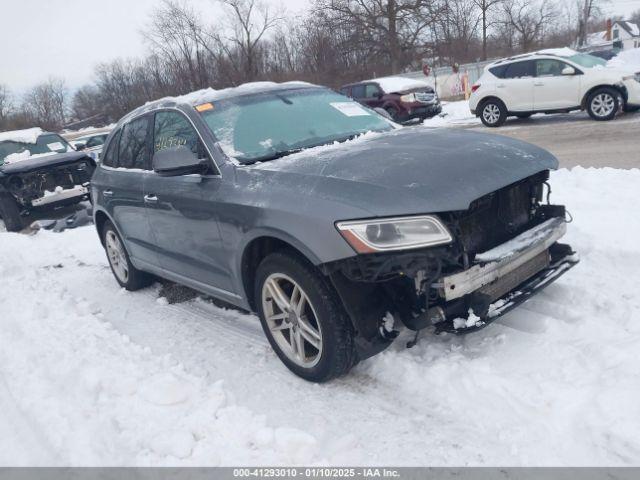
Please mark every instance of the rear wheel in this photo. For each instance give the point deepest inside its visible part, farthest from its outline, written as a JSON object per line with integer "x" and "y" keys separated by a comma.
{"x": 493, "y": 113}
{"x": 123, "y": 270}
{"x": 303, "y": 318}
{"x": 10, "y": 213}
{"x": 603, "y": 104}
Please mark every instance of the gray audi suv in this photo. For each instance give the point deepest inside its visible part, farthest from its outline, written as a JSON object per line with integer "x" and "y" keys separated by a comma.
{"x": 336, "y": 226}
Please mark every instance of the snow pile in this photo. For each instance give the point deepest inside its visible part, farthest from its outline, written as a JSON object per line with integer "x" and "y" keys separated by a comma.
{"x": 94, "y": 375}
{"x": 453, "y": 113}
{"x": 627, "y": 59}
{"x": 76, "y": 391}
{"x": 29, "y": 135}
{"x": 399, "y": 84}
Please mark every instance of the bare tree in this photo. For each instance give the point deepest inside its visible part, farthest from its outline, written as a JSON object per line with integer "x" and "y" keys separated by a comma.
{"x": 45, "y": 104}
{"x": 529, "y": 19}
{"x": 588, "y": 9}
{"x": 250, "y": 21}
{"x": 6, "y": 104}
{"x": 486, "y": 7}
{"x": 394, "y": 29}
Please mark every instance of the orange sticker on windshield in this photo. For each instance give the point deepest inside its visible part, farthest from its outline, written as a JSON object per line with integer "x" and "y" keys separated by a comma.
{"x": 204, "y": 107}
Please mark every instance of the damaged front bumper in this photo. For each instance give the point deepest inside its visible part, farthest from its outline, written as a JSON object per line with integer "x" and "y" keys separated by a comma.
{"x": 459, "y": 300}
{"x": 60, "y": 195}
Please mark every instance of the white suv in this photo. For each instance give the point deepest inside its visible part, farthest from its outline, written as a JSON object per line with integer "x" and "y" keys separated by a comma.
{"x": 552, "y": 82}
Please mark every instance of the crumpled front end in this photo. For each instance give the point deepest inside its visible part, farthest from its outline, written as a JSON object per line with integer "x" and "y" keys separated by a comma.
{"x": 505, "y": 249}
{"x": 51, "y": 185}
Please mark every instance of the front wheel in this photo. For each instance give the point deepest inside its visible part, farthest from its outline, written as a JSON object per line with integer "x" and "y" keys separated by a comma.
{"x": 493, "y": 113}
{"x": 10, "y": 213}
{"x": 303, "y": 318}
{"x": 603, "y": 104}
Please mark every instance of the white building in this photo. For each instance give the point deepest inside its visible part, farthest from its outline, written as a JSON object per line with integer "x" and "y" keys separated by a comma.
{"x": 625, "y": 34}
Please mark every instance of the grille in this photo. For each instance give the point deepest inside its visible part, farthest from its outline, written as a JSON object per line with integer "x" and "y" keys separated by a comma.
{"x": 495, "y": 218}
{"x": 425, "y": 97}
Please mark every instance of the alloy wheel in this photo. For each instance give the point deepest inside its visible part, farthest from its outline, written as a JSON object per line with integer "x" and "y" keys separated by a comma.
{"x": 491, "y": 113}
{"x": 603, "y": 104}
{"x": 117, "y": 256}
{"x": 292, "y": 320}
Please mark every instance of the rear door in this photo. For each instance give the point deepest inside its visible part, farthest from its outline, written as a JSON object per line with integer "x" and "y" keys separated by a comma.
{"x": 552, "y": 90}
{"x": 515, "y": 88}
{"x": 120, "y": 184}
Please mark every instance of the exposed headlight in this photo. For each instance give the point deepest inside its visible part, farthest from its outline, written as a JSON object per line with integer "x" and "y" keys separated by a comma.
{"x": 368, "y": 236}
{"x": 408, "y": 98}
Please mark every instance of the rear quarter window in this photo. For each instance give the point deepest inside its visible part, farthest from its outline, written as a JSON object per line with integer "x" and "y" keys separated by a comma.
{"x": 110, "y": 158}
{"x": 498, "y": 71}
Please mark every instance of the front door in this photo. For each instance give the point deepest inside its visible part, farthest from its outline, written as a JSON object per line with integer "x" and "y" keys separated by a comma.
{"x": 553, "y": 90}
{"x": 184, "y": 225}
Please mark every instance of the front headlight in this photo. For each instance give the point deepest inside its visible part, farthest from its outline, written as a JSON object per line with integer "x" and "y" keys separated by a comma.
{"x": 368, "y": 236}
{"x": 409, "y": 98}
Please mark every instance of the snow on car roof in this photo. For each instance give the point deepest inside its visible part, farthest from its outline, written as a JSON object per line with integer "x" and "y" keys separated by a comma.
{"x": 207, "y": 95}
{"x": 29, "y": 135}
{"x": 560, "y": 52}
{"x": 398, "y": 84}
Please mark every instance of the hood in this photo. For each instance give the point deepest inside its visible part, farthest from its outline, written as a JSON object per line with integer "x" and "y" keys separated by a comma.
{"x": 409, "y": 171}
{"x": 39, "y": 162}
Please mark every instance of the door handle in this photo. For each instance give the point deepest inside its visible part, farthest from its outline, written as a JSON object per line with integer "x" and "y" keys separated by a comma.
{"x": 539, "y": 84}
{"x": 500, "y": 85}
{"x": 150, "y": 199}
{"x": 108, "y": 193}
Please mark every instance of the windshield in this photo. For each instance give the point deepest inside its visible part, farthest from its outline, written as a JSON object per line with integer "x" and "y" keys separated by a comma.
{"x": 48, "y": 143}
{"x": 271, "y": 125}
{"x": 587, "y": 61}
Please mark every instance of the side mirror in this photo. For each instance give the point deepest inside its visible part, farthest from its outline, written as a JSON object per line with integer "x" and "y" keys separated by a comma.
{"x": 81, "y": 147}
{"x": 568, "y": 71}
{"x": 176, "y": 161}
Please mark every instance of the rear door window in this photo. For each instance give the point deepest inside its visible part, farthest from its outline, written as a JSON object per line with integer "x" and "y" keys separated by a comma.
{"x": 519, "y": 69}
{"x": 110, "y": 158}
{"x": 134, "y": 151}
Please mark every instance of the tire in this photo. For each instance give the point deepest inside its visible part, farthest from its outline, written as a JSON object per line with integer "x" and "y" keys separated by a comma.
{"x": 493, "y": 113}
{"x": 123, "y": 270}
{"x": 603, "y": 104}
{"x": 332, "y": 352}
{"x": 10, "y": 213}
{"x": 393, "y": 113}
{"x": 523, "y": 115}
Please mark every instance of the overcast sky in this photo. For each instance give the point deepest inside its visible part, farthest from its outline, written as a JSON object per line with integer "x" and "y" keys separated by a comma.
{"x": 67, "y": 38}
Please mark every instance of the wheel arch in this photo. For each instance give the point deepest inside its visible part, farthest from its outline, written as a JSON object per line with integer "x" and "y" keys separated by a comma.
{"x": 484, "y": 100}
{"x": 257, "y": 248}
{"x": 620, "y": 88}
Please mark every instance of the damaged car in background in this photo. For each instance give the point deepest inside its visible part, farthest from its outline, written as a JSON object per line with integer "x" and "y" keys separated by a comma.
{"x": 39, "y": 171}
{"x": 337, "y": 227}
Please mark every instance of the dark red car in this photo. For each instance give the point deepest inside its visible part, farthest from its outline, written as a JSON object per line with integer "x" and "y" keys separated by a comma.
{"x": 403, "y": 98}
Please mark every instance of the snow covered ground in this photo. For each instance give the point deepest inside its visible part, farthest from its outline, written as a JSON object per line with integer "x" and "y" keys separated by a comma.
{"x": 93, "y": 375}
